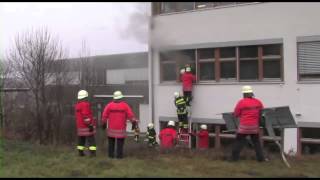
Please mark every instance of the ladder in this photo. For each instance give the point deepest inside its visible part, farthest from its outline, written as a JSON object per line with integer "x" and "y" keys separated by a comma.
{"x": 184, "y": 136}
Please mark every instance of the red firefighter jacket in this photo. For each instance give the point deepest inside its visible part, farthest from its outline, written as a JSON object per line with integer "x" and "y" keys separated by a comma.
{"x": 84, "y": 118}
{"x": 203, "y": 142}
{"x": 168, "y": 137}
{"x": 248, "y": 110}
{"x": 187, "y": 79}
{"x": 117, "y": 113}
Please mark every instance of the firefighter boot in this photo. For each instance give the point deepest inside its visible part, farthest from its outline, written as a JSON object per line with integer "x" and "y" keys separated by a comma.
{"x": 81, "y": 153}
{"x": 93, "y": 154}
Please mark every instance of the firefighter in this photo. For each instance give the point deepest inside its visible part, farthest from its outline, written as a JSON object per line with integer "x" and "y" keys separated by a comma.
{"x": 151, "y": 134}
{"x": 168, "y": 137}
{"x": 182, "y": 112}
{"x": 187, "y": 79}
{"x": 115, "y": 115}
{"x": 85, "y": 124}
{"x": 203, "y": 137}
{"x": 248, "y": 111}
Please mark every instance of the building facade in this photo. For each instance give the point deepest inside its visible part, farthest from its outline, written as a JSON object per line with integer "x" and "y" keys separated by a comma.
{"x": 274, "y": 47}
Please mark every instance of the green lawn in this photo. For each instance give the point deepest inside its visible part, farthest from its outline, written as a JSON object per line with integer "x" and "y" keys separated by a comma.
{"x": 25, "y": 160}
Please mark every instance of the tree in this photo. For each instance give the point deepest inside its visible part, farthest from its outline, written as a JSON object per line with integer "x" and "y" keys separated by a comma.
{"x": 33, "y": 56}
{"x": 87, "y": 74}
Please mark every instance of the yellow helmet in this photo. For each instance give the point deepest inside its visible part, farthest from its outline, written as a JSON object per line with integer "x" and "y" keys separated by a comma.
{"x": 117, "y": 95}
{"x": 82, "y": 94}
{"x": 247, "y": 89}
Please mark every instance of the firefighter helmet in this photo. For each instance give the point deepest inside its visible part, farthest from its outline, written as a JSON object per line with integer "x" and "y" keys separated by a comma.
{"x": 188, "y": 69}
{"x": 82, "y": 94}
{"x": 150, "y": 125}
{"x": 171, "y": 123}
{"x": 247, "y": 89}
{"x": 176, "y": 94}
{"x": 117, "y": 95}
{"x": 182, "y": 71}
{"x": 203, "y": 126}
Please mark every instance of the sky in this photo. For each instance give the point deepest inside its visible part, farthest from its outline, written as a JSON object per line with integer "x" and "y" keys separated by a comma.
{"x": 106, "y": 27}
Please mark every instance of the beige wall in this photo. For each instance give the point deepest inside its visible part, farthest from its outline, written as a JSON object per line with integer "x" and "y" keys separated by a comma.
{"x": 259, "y": 21}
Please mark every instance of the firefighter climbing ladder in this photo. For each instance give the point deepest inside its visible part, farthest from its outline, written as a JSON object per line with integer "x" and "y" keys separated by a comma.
{"x": 184, "y": 138}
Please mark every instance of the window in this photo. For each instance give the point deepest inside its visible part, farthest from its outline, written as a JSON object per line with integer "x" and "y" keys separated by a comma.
{"x": 248, "y": 63}
{"x": 170, "y": 7}
{"x": 225, "y": 64}
{"x": 309, "y": 60}
{"x": 228, "y": 62}
{"x": 271, "y": 61}
{"x": 206, "y": 59}
{"x": 167, "y": 7}
{"x": 173, "y": 61}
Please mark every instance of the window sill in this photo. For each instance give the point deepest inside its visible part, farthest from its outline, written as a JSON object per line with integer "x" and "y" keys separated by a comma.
{"x": 225, "y": 83}
{"x": 309, "y": 82}
{"x": 206, "y": 9}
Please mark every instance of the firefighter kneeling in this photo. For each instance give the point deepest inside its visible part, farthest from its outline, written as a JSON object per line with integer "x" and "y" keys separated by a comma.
{"x": 168, "y": 137}
{"x": 151, "y": 135}
{"x": 85, "y": 124}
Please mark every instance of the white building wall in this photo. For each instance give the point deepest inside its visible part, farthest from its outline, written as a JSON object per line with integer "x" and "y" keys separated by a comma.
{"x": 260, "y": 21}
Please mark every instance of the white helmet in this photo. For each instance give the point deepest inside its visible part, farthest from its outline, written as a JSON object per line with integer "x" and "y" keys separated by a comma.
{"x": 82, "y": 94}
{"x": 203, "y": 126}
{"x": 150, "y": 125}
{"x": 117, "y": 95}
{"x": 171, "y": 123}
{"x": 182, "y": 71}
{"x": 247, "y": 89}
{"x": 176, "y": 94}
{"x": 188, "y": 69}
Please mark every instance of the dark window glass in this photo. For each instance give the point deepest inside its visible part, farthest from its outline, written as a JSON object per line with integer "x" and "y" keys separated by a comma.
{"x": 273, "y": 49}
{"x": 228, "y": 69}
{"x": 184, "y": 6}
{"x": 271, "y": 69}
{"x": 248, "y": 52}
{"x": 207, "y": 71}
{"x": 169, "y": 72}
{"x": 168, "y": 7}
{"x": 206, "y": 53}
{"x": 248, "y": 70}
{"x": 227, "y": 52}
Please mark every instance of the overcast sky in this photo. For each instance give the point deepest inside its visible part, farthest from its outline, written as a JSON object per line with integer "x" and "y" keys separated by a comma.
{"x": 103, "y": 25}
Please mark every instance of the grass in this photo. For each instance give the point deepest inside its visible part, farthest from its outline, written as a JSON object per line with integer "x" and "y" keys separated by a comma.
{"x": 22, "y": 159}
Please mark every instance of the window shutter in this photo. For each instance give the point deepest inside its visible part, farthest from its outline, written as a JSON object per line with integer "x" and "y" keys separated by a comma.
{"x": 309, "y": 57}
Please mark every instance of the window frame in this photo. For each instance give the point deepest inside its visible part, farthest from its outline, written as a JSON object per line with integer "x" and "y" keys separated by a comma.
{"x": 217, "y": 65}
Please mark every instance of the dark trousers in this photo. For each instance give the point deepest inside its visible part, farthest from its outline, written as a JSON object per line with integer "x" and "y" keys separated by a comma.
{"x": 115, "y": 143}
{"x": 82, "y": 142}
{"x": 241, "y": 141}
{"x": 183, "y": 119}
{"x": 188, "y": 97}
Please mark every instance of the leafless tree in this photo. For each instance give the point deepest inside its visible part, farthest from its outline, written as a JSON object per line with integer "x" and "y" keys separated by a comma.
{"x": 33, "y": 56}
{"x": 87, "y": 72}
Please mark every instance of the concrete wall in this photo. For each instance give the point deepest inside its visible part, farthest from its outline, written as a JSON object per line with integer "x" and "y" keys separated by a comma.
{"x": 261, "y": 21}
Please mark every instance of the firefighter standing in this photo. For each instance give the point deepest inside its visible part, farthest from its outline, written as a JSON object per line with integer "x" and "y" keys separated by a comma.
{"x": 151, "y": 134}
{"x": 248, "y": 110}
{"x": 85, "y": 124}
{"x": 182, "y": 112}
{"x": 187, "y": 79}
{"x": 168, "y": 137}
{"x": 115, "y": 114}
